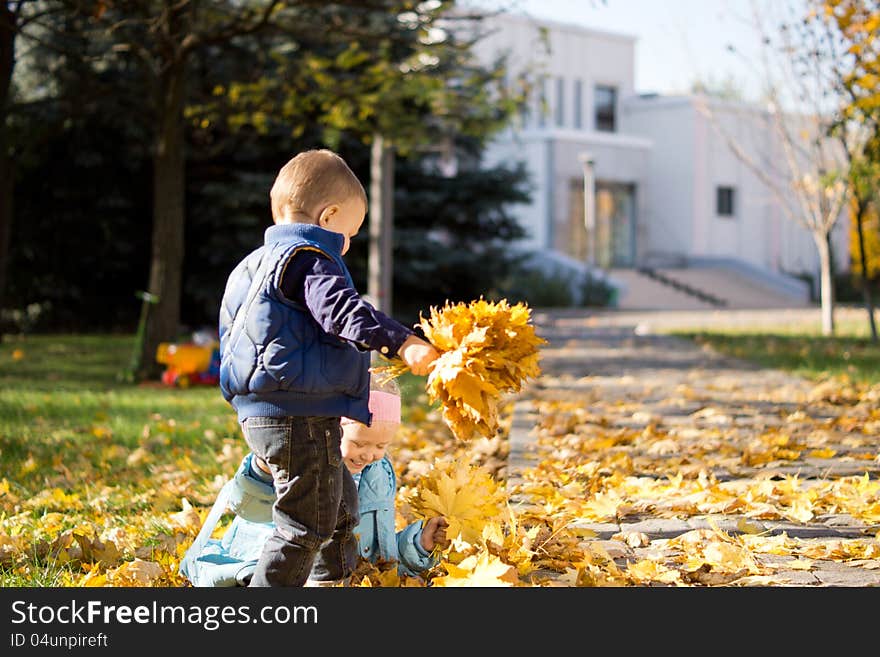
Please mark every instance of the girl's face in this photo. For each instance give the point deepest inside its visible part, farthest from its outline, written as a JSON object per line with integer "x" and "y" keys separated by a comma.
{"x": 362, "y": 445}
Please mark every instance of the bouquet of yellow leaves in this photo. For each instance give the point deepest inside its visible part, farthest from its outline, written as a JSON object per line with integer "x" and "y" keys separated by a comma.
{"x": 486, "y": 349}
{"x": 467, "y": 496}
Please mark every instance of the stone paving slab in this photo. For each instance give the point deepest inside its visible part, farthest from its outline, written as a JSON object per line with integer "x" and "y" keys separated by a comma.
{"x": 673, "y": 385}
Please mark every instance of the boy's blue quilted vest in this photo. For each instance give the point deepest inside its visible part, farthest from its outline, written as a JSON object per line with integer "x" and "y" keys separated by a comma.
{"x": 275, "y": 359}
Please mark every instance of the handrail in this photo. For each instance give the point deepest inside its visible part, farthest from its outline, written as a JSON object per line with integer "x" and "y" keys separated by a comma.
{"x": 682, "y": 287}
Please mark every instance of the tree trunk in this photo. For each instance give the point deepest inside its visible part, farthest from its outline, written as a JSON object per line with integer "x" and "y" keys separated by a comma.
{"x": 7, "y": 64}
{"x": 863, "y": 259}
{"x": 166, "y": 265}
{"x": 826, "y": 289}
{"x": 381, "y": 229}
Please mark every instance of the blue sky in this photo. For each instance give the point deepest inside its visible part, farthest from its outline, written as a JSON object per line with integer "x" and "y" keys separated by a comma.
{"x": 678, "y": 41}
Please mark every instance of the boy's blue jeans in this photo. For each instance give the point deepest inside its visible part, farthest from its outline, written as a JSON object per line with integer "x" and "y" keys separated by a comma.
{"x": 315, "y": 511}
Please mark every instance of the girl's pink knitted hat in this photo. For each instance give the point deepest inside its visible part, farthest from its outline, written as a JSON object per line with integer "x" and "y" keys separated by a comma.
{"x": 384, "y": 406}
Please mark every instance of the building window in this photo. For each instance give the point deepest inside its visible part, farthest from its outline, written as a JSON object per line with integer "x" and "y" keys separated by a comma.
{"x": 560, "y": 102}
{"x": 578, "y": 90}
{"x": 525, "y": 114}
{"x": 605, "y": 103}
{"x": 724, "y": 206}
{"x": 542, "y": 102}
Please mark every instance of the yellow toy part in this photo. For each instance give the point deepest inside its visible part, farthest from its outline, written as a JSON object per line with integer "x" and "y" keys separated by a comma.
{"x": 185, "y": 358}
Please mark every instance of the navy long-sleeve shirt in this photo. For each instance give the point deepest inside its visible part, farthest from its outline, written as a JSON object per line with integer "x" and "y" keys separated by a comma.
{"x": 318, "y": 283}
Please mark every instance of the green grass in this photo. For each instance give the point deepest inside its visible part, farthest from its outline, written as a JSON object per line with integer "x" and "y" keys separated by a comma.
{"x": 60, "y": 393}
{"x": 800, "y": 349}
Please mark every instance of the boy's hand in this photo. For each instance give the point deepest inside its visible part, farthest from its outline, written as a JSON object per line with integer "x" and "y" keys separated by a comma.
{"x": 418, "y": 355}
{"x": 434, "y": 533}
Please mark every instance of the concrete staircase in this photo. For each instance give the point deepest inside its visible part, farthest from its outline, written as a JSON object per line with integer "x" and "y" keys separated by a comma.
{"x": 699, "y": 288}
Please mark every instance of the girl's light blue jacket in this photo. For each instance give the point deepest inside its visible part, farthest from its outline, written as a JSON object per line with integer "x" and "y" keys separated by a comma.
{"x": 377, "y": 538}
{"x": 226, "y": 561}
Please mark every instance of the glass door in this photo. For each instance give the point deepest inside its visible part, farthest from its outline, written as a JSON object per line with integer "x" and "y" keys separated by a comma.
{"x": 615, "y": 225}
{"x": 571, "y": 235}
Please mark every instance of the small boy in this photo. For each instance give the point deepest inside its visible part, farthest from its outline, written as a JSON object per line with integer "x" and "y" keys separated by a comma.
{"x": 231, "y": 560}
{"x": 295, "y": 343}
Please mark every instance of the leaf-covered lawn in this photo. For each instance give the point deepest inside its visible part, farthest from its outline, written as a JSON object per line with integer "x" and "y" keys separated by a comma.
{"x": 93, "y": 469}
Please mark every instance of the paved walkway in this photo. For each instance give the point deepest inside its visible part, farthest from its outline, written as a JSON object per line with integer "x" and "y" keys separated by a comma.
{"x": 687, "y": 410}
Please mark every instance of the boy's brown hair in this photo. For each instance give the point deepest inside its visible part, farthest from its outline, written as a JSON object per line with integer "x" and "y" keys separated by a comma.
{"x": 310, "y": 181}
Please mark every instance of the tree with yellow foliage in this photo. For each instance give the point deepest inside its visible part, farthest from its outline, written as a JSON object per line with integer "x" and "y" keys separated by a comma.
{"x": 865, "y": 229}
{"x": 869, "y": 269}
{"x": 852, "y": 28}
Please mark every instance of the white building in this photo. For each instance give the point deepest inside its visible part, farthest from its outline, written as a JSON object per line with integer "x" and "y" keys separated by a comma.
{"x": 667, "y": 191}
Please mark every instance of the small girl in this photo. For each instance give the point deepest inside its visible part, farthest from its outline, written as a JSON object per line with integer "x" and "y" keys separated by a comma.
{"x": 363, "y": 452}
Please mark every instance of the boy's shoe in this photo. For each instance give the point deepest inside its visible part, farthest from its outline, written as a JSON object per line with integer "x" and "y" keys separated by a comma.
{"x": 250, "y": 497}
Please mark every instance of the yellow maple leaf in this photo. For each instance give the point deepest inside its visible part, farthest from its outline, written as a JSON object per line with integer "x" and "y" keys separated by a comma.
{"x": 10, "y": 547}
{"x": 93, "y": 578}
{"x": 93, "y": 549}
{"x": 727, "y": 557}
{"x": 467, "y": 496}
{"x": 136, "y": 573}
{"x": 382, "y": 573}
{"x": 747, "y": 527}
{"x": 800, "y": 510}
{"x": 493, "y": 532}
{"x": 645, "y": 570}
{"x": 483, "y": 569}
{"x": 94, "y": 581}
{"x": 188, "y": 519}
{"x": 603, "y": 506}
